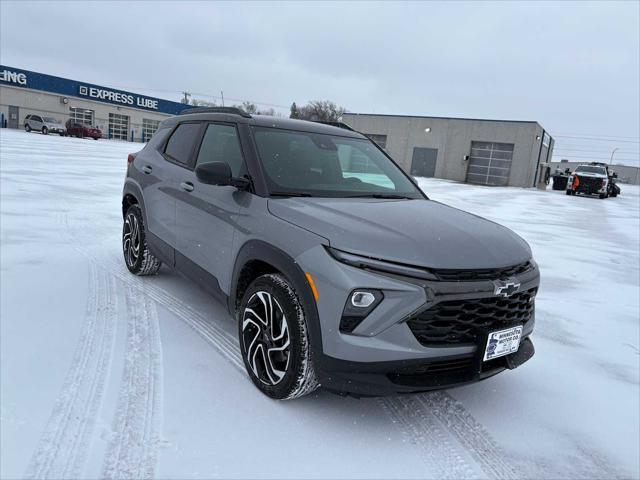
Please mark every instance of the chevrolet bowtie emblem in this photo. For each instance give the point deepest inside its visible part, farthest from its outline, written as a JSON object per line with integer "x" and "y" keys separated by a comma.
{"x": 506, "y": 288}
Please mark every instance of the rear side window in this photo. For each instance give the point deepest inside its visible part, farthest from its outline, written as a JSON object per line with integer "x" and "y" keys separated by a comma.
{"x": 221, "y": 144}
{"x": 181, "y": 143}
{"x": 158, "y": 138}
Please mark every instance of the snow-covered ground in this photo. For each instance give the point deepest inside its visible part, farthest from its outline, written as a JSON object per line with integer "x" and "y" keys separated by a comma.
{"x": 108, "y": 375}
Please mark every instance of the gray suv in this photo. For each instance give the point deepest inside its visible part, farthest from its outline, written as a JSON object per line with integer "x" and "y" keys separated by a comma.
{"x": 42, "y": 124}
{"x": 339, "y": 270}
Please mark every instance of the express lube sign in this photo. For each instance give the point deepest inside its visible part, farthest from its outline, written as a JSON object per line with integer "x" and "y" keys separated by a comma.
{"x": 41, "y": 82}
{"x": 118, "y": 97}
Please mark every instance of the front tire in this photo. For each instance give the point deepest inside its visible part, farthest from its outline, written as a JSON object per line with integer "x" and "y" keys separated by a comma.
{"x": 137, "y": 256}
{"x": 27, "y": 128}
{"x": 274, "y": 340}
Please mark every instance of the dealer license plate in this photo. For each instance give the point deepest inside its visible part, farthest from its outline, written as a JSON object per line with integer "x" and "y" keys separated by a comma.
{"x": 502, "y": 342}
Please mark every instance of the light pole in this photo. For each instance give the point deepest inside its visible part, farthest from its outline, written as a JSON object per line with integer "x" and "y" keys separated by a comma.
{"x": 612, "y": 152}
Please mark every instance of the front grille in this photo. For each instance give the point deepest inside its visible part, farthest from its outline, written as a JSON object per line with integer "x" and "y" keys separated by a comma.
{"x": 589, "y": 183}
{"x": 451, "y": 275}
{"x": 462, "y": 321}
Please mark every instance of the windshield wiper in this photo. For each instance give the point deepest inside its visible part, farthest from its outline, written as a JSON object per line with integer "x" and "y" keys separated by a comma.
{"x": 290, "y": 194}
{"x": 382, "y": 195}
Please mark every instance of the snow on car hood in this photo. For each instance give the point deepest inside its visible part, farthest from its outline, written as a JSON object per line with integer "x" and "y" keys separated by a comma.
{"x": 414, "y": 232}
{"x": 589, "y": 174}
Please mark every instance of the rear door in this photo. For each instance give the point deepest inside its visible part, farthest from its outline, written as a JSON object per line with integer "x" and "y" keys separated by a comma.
{"x": 206, "y": 215}
{"x": 161, "y": 166}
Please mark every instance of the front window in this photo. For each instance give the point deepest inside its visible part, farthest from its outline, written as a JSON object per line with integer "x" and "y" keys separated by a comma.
{"x": 312, "y": 164}
{"x": 587, "y": 169}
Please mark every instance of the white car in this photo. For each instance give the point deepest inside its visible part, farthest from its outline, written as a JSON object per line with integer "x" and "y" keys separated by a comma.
{"x": 42, "y": 124}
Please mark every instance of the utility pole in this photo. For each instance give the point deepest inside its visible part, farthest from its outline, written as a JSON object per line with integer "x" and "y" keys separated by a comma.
{"x": 185, "y": 100}
{"x": 222, "y": 95}
{"x": 612, "y": 152}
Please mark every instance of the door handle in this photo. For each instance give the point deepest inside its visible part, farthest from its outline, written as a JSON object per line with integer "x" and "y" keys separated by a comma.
{"x": 147, "y": 169}
{"x": 187, "y": 186}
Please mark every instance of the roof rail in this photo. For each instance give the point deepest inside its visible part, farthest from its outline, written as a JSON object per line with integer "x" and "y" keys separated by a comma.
{"x": 336, "y": 124}
{"x": 229, "y": 110}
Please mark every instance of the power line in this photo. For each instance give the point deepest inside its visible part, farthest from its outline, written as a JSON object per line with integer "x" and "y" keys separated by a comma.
{"x": 590, "y": 150}
{"x": 595, "y": 135}
{"x": 593, "y": 157}
{"x": 595, "y": 139}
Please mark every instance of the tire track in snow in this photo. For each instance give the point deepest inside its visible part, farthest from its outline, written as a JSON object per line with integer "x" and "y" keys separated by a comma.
{"x": 436, "y": 448}
{"x": 473, "y": 436}
{"x": 225, "y": 343}
{"x": 132, "y": 452}
{"x": 63, "y": 447}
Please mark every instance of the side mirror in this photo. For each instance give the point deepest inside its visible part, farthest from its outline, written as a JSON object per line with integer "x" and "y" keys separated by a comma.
{"x": 614, "y": 175}
{"x": 219, "y": 173}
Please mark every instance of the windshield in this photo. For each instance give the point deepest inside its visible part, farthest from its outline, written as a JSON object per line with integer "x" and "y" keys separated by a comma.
{"x": 312, "y": 164}
{"x": 50, "y": 120}
{"x": 587, "y": 169}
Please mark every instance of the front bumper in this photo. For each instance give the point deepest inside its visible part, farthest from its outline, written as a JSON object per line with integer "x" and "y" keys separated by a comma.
{"x": 382, "y": 355}
{"x": 372, "y": 379}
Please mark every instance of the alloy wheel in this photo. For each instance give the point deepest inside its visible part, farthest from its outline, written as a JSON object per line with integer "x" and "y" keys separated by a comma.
{"x": 265, "y": 336}
{"x": 131, "y": 239}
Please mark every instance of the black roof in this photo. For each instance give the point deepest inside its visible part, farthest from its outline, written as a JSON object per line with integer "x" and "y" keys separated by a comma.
{"x": 229, "y": 114}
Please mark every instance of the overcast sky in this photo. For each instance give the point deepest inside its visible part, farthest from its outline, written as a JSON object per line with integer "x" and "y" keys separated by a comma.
{"x": 574, "y": 67}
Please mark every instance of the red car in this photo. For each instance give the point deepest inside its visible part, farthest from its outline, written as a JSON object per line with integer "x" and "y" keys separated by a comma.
{"x": 76, "y": 129}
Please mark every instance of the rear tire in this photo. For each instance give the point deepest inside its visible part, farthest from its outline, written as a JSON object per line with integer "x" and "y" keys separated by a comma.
{"x": 45, "y": 131}
{"x": 602, "y": 196}
{"x": 569, "y": 192}
{"x": 137, "y": 256}
{"x": 274, "y": 340}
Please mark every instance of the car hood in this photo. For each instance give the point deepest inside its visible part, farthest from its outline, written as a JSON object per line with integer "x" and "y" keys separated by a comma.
{"x": 591, "y": 175}
{"x": 414, "y": 232}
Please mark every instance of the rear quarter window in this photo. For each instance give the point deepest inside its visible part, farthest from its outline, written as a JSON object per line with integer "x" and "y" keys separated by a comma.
{"x": 158, "y": 138}
{"x": 182, "y": 141}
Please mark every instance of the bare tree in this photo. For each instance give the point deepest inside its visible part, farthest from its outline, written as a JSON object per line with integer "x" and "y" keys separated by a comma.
{"x": 202, "y": 103}
{"x": 320, "y": 111}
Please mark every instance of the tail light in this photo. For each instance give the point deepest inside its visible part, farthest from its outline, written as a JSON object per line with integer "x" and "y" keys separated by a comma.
{"x": 131, "y": 158}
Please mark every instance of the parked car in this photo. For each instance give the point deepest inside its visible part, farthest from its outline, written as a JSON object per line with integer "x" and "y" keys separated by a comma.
{"x": 353, "y": 280}
{"x": 594, "y": 178}
{"x": 42, "y": 124}
{"x": 77, "y": 129}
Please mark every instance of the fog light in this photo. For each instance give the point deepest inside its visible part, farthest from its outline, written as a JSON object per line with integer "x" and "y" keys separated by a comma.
{"x": 362, "y": 299}
{"x": 360, "y": 303}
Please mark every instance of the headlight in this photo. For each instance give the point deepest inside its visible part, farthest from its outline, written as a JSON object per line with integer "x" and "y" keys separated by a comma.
{"x": 383, "y": 266}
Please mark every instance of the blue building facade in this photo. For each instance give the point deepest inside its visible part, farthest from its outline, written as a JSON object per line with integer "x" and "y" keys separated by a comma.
{"x": 121, "y": 114}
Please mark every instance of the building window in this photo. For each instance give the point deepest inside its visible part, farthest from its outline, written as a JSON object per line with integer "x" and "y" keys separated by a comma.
{"x": 381, "y": 140}
{"x": 118, "y": 126}
{"x": 81, "y": 115}
{"x": 490, "y": 163}
{"x": 149, "y": 127}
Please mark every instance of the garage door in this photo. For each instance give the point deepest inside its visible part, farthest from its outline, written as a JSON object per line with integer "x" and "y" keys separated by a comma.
{"x": 490, "y": 163}
{"x": 118, "y": 126}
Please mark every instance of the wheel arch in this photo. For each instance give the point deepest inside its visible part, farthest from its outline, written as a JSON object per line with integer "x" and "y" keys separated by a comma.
{"x": 256, "y": 258}
{"x": 131, "y": 195}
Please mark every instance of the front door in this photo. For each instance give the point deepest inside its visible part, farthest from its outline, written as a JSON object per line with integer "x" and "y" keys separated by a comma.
{"x": 206, "y": 215}
{"x": 13, "y": 117}
{"x": 423, "y": 163}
